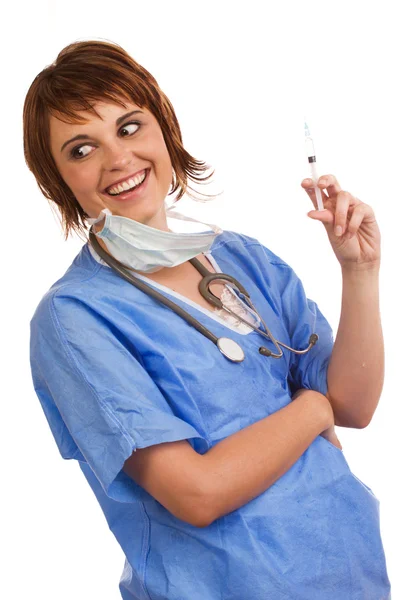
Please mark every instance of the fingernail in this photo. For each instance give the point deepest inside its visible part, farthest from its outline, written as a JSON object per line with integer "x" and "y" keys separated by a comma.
{"x": 322, "y": 182}
{"x": 338, "y": 230}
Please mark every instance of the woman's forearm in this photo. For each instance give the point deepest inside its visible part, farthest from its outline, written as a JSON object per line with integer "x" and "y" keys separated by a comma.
{"x": 243, "y": 465}
{"x": 356, "y": 368}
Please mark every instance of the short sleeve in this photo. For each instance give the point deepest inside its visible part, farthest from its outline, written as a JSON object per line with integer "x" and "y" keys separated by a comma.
{"x": 99, "y": 401}
{"x": 303, "y": 317}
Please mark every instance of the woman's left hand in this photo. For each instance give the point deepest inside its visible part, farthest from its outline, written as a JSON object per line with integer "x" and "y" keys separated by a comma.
{"x": 358, "y": 243}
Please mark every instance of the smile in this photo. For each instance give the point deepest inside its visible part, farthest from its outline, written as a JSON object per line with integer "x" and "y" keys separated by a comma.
{"x": 127, "y": 185}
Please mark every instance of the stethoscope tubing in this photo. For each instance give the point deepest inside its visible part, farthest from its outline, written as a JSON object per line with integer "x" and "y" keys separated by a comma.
{"x": 208, "y": 277}
{"x": 147, "y": 289}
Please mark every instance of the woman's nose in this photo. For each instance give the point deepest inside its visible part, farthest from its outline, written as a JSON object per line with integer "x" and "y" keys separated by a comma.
{"x": 117, "y": 156}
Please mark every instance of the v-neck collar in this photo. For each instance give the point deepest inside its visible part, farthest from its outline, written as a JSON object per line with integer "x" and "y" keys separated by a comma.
{"x": 205, "y": 311}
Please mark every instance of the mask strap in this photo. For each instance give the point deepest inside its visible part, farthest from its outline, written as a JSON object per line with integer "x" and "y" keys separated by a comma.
{"x": 173, "y": 214}
{"x": 170, "y": 212}
{"x": 102, "y": 215}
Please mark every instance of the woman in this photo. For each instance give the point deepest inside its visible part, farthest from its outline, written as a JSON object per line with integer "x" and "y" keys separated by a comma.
{"x": 219, "y": 479}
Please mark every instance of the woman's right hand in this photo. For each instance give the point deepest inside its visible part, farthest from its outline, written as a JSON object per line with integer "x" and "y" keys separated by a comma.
{"x": 329, "y": 433}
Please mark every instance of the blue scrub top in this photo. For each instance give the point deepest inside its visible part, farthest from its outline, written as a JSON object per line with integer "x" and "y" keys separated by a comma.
{"x": 115, "y": 370}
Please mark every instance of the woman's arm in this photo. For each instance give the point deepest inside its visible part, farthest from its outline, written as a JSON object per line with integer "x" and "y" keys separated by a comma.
{"x": 201, "y": 488}
{"x": 356, "y": 369}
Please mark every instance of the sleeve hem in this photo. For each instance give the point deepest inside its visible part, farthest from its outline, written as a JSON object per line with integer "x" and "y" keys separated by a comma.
{"x": 119, "y": 486}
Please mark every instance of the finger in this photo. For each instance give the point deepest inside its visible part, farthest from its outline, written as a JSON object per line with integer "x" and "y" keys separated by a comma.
{"x": 343, "y": 200}
{"x": 331, "y": 184}
{"x": 324, "y": 216}
{"x": 360, "y": 213}
{"x": 308, "y": 186}
{"x": 337, "y": 442}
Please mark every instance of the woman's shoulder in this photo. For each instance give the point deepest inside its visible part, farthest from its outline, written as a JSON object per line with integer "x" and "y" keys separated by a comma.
{"x": 78, "y": 281}
{"x": 249, "y": 247}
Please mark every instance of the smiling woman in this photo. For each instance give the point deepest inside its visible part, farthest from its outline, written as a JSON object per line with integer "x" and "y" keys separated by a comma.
{"x": 220, "y": 475}
{"x": 123, "y": 165}
{"x": 96, "y": 93}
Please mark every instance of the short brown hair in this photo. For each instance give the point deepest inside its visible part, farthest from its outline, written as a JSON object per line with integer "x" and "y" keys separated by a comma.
{"x": 84, "y": 73}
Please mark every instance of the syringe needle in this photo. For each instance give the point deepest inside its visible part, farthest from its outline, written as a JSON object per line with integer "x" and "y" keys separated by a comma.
{"x": 313, "y": 167}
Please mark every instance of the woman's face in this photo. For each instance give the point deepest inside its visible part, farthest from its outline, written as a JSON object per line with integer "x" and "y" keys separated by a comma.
{"x": 95, "y": 157}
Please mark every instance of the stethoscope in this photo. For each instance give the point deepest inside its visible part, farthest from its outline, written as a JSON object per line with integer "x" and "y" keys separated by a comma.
{"x": 228, "y": 347}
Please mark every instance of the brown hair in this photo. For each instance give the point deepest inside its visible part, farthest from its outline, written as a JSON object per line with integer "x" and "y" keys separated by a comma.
{"x": 85, "y": 73}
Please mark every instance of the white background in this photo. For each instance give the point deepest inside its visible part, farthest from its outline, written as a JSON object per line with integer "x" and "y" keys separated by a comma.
{"x": 241, "y": 77}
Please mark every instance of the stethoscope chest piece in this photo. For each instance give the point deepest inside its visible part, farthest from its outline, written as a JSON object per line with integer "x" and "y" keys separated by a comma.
{"x": 230, "y": 349}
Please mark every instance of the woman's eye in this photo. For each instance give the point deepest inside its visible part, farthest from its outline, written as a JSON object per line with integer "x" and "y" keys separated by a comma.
{"x": 74, "y": 152}
{"x": 128, "y": 127}
{"x": 78, "y": 151}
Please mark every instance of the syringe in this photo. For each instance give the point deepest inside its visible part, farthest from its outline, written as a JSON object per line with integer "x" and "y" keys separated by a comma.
{"x": 312, "y": 161}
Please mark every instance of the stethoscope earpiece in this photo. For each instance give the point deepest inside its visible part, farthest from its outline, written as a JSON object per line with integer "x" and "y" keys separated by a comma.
{"x": 264, "y": 351}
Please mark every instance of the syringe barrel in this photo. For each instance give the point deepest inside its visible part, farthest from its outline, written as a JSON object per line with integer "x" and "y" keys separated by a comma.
{"x": 314, "y": 174}
{"x": 310, "y": 147}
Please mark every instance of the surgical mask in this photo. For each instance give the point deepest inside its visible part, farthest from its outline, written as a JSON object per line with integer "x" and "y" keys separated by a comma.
{"x": 148, "y": 249}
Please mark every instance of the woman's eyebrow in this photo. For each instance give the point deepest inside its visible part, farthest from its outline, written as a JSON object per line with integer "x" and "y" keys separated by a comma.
{"x": 129, "y": 114}
{"x": 82, "y": 136}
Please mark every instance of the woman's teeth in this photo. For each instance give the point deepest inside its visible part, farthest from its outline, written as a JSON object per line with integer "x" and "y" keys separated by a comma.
{"x": 129, "y": 184}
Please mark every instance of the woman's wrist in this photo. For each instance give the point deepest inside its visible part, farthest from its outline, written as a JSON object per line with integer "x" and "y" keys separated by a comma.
{"x": 318, "y": 404}
{"x": 356, "y": 269}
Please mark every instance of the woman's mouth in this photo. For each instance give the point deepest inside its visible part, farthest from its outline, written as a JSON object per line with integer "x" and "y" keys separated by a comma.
{"x": 135, "y": 189}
